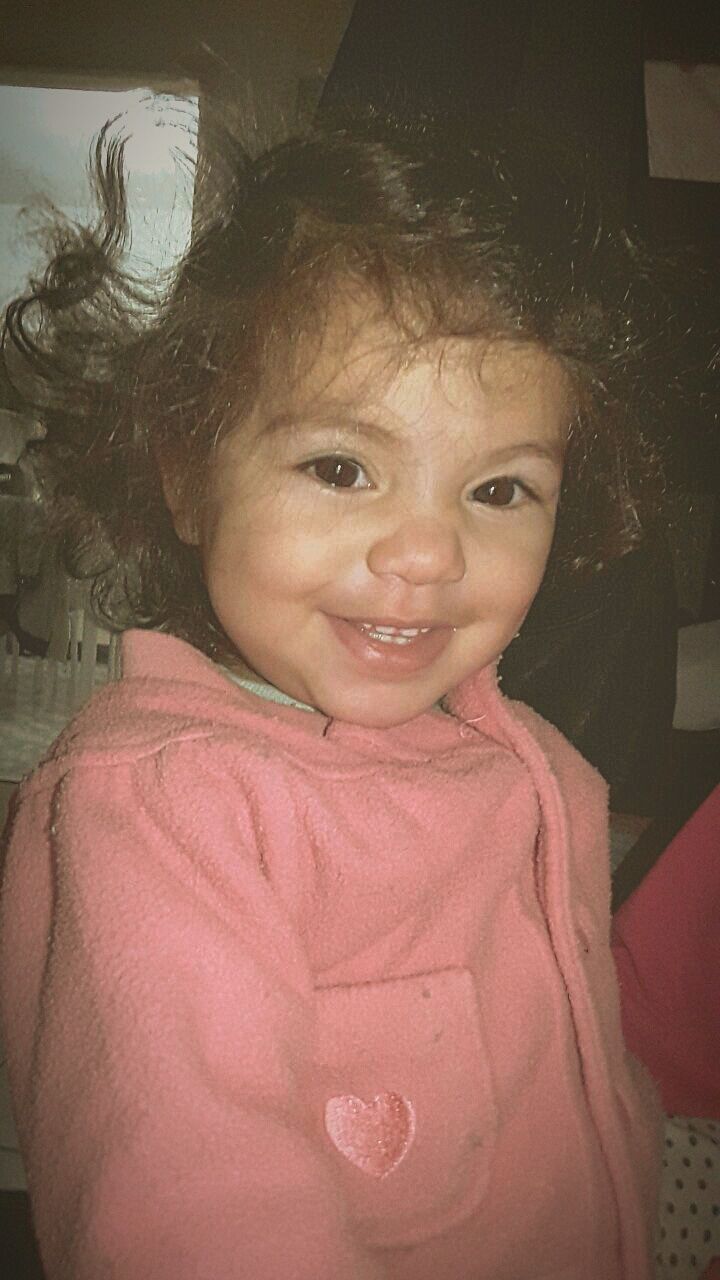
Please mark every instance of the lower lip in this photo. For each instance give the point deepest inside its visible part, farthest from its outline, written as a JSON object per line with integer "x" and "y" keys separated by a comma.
{"x": 387, "y": 659}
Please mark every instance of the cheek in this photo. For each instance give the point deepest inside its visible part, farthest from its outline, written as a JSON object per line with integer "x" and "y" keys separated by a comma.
{"x": 527, "y": 579}
{"x": 263, "y": 561}
{"x": 515, "y": 565}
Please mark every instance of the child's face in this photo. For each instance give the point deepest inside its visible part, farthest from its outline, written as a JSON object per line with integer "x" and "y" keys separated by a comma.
{"x": 376, "y": 533}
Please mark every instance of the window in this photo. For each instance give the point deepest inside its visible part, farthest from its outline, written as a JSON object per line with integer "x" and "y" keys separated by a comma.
{"x": 47, "y": 131}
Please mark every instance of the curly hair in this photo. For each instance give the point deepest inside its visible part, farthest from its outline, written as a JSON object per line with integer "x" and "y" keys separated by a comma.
{"x": 449, "y": 235}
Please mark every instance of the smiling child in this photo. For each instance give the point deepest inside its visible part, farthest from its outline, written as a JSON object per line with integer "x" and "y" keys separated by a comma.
{"x": 305, "y": 929}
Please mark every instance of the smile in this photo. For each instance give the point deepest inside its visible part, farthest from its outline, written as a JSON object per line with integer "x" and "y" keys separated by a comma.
{"x": 388, "y": 649}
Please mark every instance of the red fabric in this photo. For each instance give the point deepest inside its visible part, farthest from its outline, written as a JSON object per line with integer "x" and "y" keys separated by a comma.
{"x": 666, "y": 943}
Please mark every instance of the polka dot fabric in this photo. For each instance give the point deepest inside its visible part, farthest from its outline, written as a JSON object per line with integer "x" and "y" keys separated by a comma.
{"x": 689, "y": 1231}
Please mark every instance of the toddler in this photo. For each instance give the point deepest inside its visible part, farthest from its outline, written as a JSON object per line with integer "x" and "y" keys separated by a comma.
{"x": 305, "y": 929}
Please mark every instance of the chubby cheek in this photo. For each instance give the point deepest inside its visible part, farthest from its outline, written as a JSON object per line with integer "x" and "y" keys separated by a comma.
{"x": 252, "y": 568}
{"x": 509, "y": 576}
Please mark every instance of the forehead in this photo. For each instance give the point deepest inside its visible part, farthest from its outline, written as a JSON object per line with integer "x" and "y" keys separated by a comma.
{"x": 363, "y": 361}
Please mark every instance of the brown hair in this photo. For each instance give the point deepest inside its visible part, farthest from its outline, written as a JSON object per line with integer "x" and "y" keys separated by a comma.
{"x": 452, "y": 238}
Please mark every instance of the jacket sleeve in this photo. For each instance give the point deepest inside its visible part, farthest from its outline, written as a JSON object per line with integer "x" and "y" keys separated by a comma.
{"x": 157, "y": 1015}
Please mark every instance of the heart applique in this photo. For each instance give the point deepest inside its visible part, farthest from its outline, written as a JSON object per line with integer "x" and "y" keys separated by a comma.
{"x": 376, "y": 1136}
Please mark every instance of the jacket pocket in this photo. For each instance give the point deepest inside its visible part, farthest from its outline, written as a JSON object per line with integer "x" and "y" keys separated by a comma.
{"x": 405, "y": 1102}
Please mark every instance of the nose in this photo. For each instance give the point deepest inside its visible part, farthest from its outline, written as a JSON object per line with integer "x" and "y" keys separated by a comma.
{"x": 420, "y": 551}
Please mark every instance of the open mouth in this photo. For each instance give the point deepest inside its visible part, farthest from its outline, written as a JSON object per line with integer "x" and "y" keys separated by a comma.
{"x": 391, "y": 649}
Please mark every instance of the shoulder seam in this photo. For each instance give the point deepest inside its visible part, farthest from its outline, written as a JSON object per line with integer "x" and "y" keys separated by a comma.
{"x": 60, "y": 766}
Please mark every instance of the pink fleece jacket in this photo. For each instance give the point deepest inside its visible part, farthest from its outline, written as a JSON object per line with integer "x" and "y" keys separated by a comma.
{"x": 288, "y": 999}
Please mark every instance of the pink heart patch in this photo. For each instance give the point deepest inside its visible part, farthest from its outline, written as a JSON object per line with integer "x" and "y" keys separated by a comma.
{"x": 375, "y": 1135}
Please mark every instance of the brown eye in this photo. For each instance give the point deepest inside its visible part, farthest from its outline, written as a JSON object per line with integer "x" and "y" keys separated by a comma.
{"x": 338, "y": 472}
{"x": 501, "y": 491}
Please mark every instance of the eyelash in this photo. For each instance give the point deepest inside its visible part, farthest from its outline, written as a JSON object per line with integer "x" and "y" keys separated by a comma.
{"x": 519, "y": 486}
{"x": 341, "y": 460}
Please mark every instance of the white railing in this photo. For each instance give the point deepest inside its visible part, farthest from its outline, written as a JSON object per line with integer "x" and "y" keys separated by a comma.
{"x": 38, "y": 696}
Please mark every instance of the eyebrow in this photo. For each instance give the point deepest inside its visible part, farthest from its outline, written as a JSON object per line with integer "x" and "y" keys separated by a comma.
{"x": 286, "y": 423}
{"x": 548, "y": 452}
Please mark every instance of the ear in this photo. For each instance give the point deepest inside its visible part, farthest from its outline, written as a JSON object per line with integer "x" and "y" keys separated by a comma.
{"x": 177, "y": 500}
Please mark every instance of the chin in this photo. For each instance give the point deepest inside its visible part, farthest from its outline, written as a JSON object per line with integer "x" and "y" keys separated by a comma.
{"x": 373, "y": 713}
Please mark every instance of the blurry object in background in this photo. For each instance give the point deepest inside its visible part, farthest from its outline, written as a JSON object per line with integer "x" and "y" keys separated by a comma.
{"x": 682, "y": 104}
{"x": 39, "y": 695}
{"x": 697, "y": 706}
{"x": 23, "y": 534}
{"x": 19, "y": 474}
{"x": 23, "y": 522}
{"x": 23, "y": 538}
{"x": 16, "y": 430}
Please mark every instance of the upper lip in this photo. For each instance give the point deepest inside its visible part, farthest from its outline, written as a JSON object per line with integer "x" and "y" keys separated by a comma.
{"x": 400, "y": 623}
